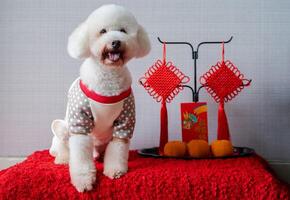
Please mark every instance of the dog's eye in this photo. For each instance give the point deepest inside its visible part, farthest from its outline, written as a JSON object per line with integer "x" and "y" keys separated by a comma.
{"x": 123, "y": 30}
{"x": 103, "y": 31}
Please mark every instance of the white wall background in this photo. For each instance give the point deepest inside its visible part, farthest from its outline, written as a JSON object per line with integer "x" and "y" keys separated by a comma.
{"x": 36, "y": 70}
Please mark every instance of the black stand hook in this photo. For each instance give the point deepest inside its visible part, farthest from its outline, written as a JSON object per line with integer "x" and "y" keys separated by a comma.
{"x": 195, "y": 91}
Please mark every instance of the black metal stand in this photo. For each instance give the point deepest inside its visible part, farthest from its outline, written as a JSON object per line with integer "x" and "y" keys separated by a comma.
{"x": 195, "y": 91}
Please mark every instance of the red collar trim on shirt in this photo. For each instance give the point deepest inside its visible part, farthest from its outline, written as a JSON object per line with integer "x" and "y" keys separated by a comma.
{"x": 104, "y": 99}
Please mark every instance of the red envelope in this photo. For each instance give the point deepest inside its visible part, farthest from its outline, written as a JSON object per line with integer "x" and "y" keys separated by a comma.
{"x": 194, "y": 121}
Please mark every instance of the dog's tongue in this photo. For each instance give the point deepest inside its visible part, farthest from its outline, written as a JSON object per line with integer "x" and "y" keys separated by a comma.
{"x": 113, "y": 56}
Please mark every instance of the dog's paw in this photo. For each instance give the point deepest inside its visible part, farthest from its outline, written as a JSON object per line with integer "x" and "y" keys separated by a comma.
{"x": 83, "y": 181}
{"x": 59, "y": 160}
{"x": 114, "y": 173}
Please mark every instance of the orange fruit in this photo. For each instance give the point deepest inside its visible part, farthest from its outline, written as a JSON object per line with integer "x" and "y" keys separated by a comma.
{"x": 198, "y": 148}
{"x": 221, "y": 148}
{"x": 175, "y": 149}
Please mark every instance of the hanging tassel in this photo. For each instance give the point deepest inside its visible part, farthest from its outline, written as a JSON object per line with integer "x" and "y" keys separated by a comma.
{"x": 223, "y": 132}
{"x": 163, "y": 127}
{"x": 163, "y": 116}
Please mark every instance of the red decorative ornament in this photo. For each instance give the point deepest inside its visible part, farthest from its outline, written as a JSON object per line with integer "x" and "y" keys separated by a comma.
{"x": 163, "y": 82}
{"x": 223, "y": 82}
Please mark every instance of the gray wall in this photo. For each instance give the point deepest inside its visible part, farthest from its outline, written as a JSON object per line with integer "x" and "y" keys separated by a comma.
{"x": 36, "y": 70}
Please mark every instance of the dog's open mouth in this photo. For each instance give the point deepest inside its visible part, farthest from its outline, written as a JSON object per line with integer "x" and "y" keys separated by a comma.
{"x": 113, "y": 57}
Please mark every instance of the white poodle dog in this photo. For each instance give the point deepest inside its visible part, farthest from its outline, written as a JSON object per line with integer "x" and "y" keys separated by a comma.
{"x": 100, "y": 112}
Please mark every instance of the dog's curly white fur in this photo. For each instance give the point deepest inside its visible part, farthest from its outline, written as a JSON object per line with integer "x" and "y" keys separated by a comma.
{"x": 103, "y": 71}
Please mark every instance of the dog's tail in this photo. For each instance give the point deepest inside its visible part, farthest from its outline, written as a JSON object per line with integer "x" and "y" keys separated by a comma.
{"x": 61, "y": 135}
{"x": 59, "y": 128}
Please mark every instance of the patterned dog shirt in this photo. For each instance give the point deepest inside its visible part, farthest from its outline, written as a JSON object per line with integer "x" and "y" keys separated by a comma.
{"x": 83, "y": 118}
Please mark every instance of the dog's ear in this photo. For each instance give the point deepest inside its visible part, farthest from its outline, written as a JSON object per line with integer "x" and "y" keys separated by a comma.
{"x": 78, "y": 42}
{"x": 143, "y": 41}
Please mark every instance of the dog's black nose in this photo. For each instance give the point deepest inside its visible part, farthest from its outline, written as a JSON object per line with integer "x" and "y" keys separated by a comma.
{"x": 116, "y": 44}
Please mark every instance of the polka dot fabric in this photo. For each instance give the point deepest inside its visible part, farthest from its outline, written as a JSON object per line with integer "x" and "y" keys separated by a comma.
{"x": 81, "y": 120}
{"x": 124, "y": 125}
{"x": 80, "y": 117}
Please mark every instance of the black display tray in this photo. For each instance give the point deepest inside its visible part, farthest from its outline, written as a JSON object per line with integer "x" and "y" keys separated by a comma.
{"x": 238, "y": 152}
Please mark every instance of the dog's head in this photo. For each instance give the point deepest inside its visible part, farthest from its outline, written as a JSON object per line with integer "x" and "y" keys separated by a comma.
{"x": 110, "y": 34}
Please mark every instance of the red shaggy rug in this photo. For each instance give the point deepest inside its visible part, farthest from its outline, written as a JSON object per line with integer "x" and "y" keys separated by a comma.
{"x": 149, "y": 178}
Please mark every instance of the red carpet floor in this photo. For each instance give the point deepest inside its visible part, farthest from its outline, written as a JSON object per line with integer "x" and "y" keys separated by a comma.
{"x": 244, "y": 178}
